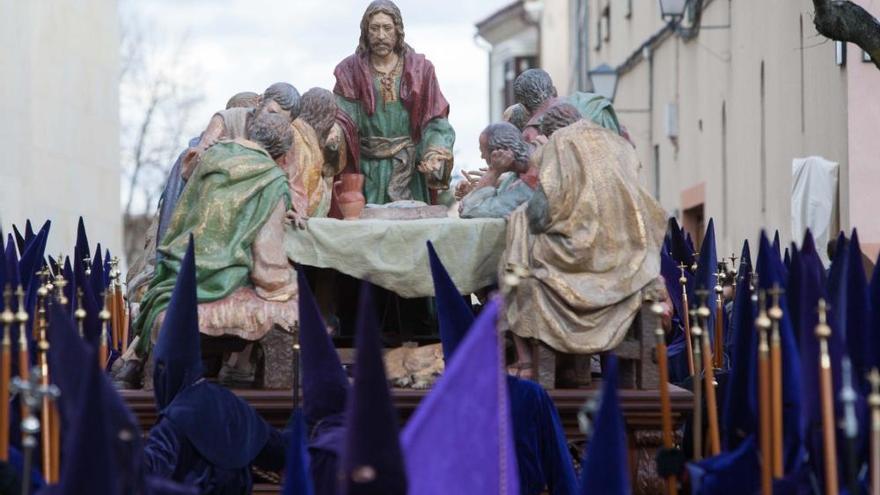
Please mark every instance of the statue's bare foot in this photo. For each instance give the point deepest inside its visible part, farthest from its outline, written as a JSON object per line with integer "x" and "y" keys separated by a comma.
{"x": 522, "y": 369}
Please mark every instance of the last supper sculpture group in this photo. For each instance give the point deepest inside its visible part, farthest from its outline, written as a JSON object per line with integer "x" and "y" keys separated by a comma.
{"x": 350, "y": 185}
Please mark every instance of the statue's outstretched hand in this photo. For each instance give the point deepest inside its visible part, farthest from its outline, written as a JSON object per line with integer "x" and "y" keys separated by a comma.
{"x": 433, "y": 164}
{"x": 189, "y": 162}
{"x": 296, "y": 219}
{"x": 463, "y": 188}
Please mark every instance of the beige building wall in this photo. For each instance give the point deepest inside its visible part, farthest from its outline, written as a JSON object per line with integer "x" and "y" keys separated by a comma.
{"x": 59, "y": 79}
{"x": 555, "y": 44}
{"x": 734, "y": 148}
{"x": 863, "y": 178}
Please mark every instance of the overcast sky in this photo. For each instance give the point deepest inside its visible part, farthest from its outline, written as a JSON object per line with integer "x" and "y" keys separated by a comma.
{"x": 246, "y": 45}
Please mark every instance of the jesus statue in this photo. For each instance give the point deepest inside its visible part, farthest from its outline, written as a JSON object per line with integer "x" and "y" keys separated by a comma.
{"x": 393, "y": 108}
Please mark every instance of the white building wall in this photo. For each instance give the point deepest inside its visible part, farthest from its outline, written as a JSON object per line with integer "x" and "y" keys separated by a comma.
{"x": 59, "y": 81}
{"x": 722, "y": 67}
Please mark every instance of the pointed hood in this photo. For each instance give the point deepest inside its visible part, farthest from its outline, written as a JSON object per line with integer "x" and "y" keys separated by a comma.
{"x": 731, "y": 473}
{"x": 772, "y": 273}
{"x": 777, "y": 245}
{"x": 88, "y": 465}
{"x": 32, "y": 256}
{"x": 297, "y": 480}
{"x": 739, "y": 413}
{"x": 606, "y": 467}
{"x": 856, "y": 313}
{"x": 706, "y": 276}
{"x": 874, "y": 299}
{"x": 28, "y": 231}
{"x": 469, "y": 406}
{"x": 679, "y": 248}
{"x": 178, "y": 354}
{"x": 453, "y": 313}
{"x": 324, "y": 381}
{"x": 371, "y": 462}
{"x": 19, "y": 239}
{"x": 119, "y": 436}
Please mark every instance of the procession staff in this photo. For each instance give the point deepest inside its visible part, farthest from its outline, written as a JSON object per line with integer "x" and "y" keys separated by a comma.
{"x": 823, "y": 332}
{"x": 763, "y": 323}
{"x": 718, "y": 350}
{"x": 8, "y": 318}
{"x": 117, "y": 307}
{"x": 24, "y": 355}
{"x": 709, "y": 379}
{"x": 43, "y": 356}
{"x": 686, "y": 319}
{"x": 874, "y": 402}
{"x": 775, "y": 314}
{"x": 732, "y": 274}
{"x": 103, "y": 352}
{"x": 665, "y": 406}
{"x": 697, "y": 333}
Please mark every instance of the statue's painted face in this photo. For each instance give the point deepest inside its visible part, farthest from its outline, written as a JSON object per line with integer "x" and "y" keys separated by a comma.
{"x": 381, "y": 34}
{"x": 272, "y": 106}
{"x": 484, "y": 147}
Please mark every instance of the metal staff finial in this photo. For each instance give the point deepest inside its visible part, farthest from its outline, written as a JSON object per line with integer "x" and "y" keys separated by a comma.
{"x": 80, "y": 313}
{"x": 34, "y": 395}
{"x": 87, "y": 265}
{"x": 60, "y": 284}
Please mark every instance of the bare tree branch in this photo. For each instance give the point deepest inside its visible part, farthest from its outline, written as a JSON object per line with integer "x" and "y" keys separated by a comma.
{"x": 843, "y": 20}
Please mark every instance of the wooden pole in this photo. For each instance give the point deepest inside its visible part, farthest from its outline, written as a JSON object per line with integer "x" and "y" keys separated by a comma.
{"x": 775, "y": 314}
{"x": 697, "y": 332}
{"x": 686, "y": 319}
{"x": 120, "y": 318}
{"x": 765, "y": 433}
{"x": 8, "y": 318}
{"x": 823, "y": 331}
{"x": 874, "y": 402}
{"x": 709, "y": 379}
{"x": 665, "y": 405}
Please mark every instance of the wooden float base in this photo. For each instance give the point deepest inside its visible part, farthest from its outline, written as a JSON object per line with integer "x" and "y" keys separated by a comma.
{"x": 641, "y": 410}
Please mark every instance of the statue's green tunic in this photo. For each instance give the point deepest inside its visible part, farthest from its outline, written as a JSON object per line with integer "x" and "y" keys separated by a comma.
{"x": 231, "y": 194}
{"x": 391, "y": 120}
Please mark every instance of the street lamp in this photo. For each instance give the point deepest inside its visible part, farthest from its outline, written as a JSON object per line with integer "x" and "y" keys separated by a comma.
{"x": 672, "y": 10}
{"x": 604, "y": 79}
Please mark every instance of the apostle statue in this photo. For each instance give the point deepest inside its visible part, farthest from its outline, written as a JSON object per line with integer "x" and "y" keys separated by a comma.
{"x": 394, "y": 111}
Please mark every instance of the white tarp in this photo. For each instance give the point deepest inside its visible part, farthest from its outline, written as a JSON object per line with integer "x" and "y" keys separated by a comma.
{"x": 814, "y": 201}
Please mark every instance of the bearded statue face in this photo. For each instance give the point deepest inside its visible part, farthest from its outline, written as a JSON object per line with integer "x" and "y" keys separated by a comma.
{"x": 381, "y": 34}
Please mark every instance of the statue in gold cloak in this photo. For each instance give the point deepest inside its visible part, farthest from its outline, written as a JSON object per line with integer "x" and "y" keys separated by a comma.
{"x": 589, "y": 240}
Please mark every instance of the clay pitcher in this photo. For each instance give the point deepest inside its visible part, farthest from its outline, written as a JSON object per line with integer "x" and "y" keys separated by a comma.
{"x": 349, "y": 195}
